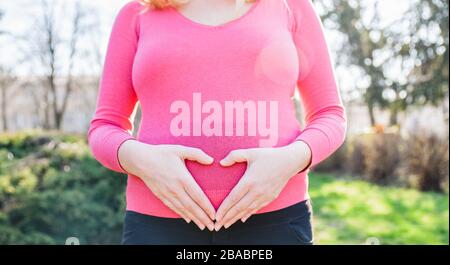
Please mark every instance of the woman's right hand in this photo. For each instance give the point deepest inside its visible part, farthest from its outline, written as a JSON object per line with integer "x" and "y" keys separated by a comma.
{"x": 163, "y": 170}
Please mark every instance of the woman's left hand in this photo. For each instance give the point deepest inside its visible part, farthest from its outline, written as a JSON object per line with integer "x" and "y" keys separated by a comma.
{"x": 268, "y": 171}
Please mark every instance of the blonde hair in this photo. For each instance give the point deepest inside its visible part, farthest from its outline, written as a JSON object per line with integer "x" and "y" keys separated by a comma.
{"x": 160, "y": 4}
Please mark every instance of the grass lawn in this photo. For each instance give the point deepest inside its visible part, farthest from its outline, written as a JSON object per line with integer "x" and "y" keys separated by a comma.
{"x": 351, "y": 211}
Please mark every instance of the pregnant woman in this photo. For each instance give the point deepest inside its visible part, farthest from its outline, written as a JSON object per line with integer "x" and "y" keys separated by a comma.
{"x": 219, "y": 157}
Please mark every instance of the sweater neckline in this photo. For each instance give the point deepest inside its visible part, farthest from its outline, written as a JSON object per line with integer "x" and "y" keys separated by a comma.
{"x": 223, "y": 25}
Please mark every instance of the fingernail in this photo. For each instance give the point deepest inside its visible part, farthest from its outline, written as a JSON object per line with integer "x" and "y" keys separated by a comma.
{"x": 226, "y": 226}
{"x": 202, "y": 227}
{"x": 211, "y": 227}
{"x": 217, "y": 228}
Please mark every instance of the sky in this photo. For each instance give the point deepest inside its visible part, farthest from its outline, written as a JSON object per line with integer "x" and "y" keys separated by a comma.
{"x": 20, "y": 15}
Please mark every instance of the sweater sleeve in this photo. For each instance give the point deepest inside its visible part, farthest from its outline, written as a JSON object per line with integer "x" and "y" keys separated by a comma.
{"x": 112, "y": 123}
{"x": 325, "y": 116}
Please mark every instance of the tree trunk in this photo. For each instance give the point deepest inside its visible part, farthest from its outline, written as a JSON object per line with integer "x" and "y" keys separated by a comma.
{"x": 4, "y": 116}
{"x": 46, "y": 124}
{"x": 393, "y": 120}
{"x": 371, "y": 114}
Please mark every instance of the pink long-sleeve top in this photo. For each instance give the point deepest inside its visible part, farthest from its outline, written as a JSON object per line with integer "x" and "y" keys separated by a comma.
{"x": 217, "y": 88}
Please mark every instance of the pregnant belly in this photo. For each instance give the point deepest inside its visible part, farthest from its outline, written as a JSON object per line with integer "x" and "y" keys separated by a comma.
{"x": 218, "y": 127}
{"x": 215, "y": 180}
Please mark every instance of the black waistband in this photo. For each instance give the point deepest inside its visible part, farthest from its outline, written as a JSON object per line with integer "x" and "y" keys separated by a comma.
{"x": 274, "y": 217}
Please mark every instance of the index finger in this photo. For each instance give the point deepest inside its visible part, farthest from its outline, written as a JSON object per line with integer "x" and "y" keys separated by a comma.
{"x": 198, "y": 196}
{"x": 233, "y": 197}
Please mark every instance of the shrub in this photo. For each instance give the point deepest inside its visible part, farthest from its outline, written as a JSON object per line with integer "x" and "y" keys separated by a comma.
{"x": 426, "y": 161}
{"x": 382, "y": 158}
{"x": 419, "y": 160}
{"x": 357, "y": 154}
{"x": 51, "y": 188}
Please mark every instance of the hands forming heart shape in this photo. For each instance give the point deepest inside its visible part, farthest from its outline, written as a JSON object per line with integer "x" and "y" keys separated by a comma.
{"x": 163, "y": 170}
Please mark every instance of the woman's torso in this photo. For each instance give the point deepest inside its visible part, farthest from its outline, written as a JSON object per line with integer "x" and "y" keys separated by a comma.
{"x": 217, "y": 88}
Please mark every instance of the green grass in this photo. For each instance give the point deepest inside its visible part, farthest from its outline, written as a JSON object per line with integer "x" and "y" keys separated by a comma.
{"x": 350, "y": 211}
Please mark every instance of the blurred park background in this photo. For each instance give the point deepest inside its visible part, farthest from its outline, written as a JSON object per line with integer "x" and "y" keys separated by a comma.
{"x": 388, "y": 183}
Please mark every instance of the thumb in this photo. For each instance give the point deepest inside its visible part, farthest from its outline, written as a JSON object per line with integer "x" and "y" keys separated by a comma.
{"x": 198, "y": 155}
{"x": 233, "y": 157}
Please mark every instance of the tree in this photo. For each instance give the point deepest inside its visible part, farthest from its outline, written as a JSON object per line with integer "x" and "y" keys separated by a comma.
{"x": 51, "y": 44}
{"x": 360, "y": 46}
{"x": 6, "y": 81}
{"x": 429, "y": 48}
{"x": 406, "y": 65}
{"x": 420, "y": 46}
{"x": 56, "y": 51}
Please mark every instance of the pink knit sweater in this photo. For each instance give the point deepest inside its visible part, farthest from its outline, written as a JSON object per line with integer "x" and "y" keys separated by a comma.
{"x": 217, "y": 88}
